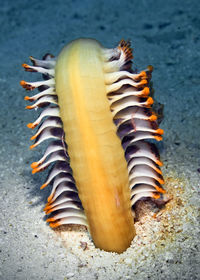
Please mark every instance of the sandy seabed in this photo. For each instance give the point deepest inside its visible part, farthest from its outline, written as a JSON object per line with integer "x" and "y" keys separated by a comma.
{"x": 164, "y": 34}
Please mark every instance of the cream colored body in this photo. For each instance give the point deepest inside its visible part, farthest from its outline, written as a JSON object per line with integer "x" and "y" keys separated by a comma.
{"x": 96, "y": 155}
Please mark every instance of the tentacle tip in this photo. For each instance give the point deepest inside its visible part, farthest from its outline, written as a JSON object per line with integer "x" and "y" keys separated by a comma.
{"x": 158, "y": 138}
{"x": 29, "y": 107}
{"x": 33, "y": 137}
{"x": 161, "y": 182}
{"x": 32, "y": 146}
{"x": 146, "y": 91}
{"x": 26, "y": 85}
{"x": 50, "y": 220}
{"x": 143, "y": 82}
{"x": 23, "y": 83}
{"x": 143, "y": 74}
{"x": 34, "y": 171}
{"x": 47, "y": 208}
{"x": 156, "y": 195}
{"x": 34, "y": 165}
{"x": 153, "y": 118}
{"x": 31, "y": 125}
{"x": 159, "y": 163}
{"x": 150, "y": 101}
{"x": 49, "y": 199}
{"x": 54, "y": 225}
{"x": 160, "y": 190}
{"x": 24, "y": 65}
{"x": 43, "y": 186}
{"x": 160, "y": 131}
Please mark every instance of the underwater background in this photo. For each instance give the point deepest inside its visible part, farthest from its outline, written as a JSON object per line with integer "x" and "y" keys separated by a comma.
{"x": 165, "y": 34}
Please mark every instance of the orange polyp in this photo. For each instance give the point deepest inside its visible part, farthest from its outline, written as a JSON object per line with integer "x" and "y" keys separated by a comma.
{"x": 54, "y": 225}
{"x": 143, "y": 74}
{"x": 153, "y": 117}
{"x": 145, "y": 91}
{"x": 160, "y": 131}
{"x": 33, "y": 137}
{"x": 29, "y": 107}
{"x": 33, "y": 146}
{"x": 158, "y": 138}
{"x": 35, "y": 170}
{"x": 47, "y": 207}
{"x": 158, "y": 171}
{"x": 44, "y": 186}
{"x": 28, "y": 68}
{"x": 34, "y": 165}
{"x": 27, "y": 98}
{"x": 156, "y": 195}
{"x": 161, "y": 190}
{"x": 26, "y": 85}
{"x": 158, "y": 162}
{"x": 50, "y": 220}
{"x": 149, "y": 101}
{"x": 50, "y": 198}
{"x": 22, "y": 83}
{"x": 142, "y": 82}
{"x": 38, "y": 169}
{"x": 49, "y": 211}
{"x": 30, "y": 125}
{"x": 25, "y": 65}
{"x": 161, "y": 181}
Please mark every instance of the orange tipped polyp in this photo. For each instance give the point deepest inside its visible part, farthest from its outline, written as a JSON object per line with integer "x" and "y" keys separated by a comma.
{"x": 43, "y": 186}
{"x": 145, "y": 91}
{"x": 35, "y": 170}
{"x": 158, "y": 170}
{"x": 33, "y": 137}
{"x": 50, "y": 198}
{"x": 24, "y": 65}
{"x": 161, "y": 181}
{"x": 30, "y": 125}
{"x": 54, "y": 225}
{"x": 29, "y": 107}
{"x": 143, "y": 82}
{"x": 160, "y": 131}
{"x": 143, "y": 74}
{"x": 153, "y": 117}
{"x": 158, "y": 138}
{"x": 156, "y": 195}
{"x": 49, "y": 211}
{"x": 161, "y": 190}
{"x": 99, "y": 167}
{"x": 32, "y": 146}
{"x": 47, "y": 207}
{"x": 22, "y": 83}
{"x": 159, "y": 163}
{"x": 34, "y": 165}
{"x": 150, "y": 101}
{"x": 50, "y": 220}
